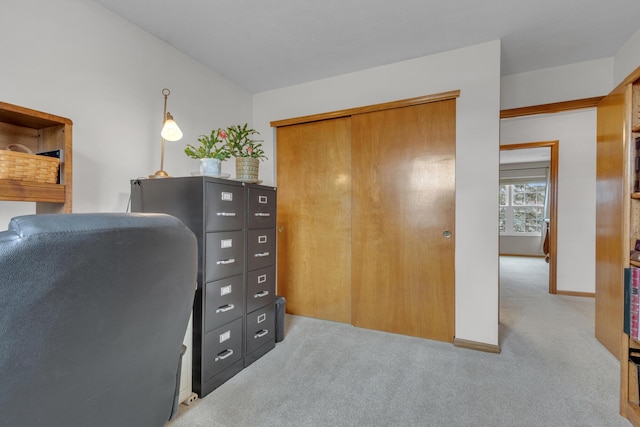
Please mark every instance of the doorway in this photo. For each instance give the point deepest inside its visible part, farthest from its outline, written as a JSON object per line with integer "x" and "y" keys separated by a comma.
{"x": 552, "y": 189}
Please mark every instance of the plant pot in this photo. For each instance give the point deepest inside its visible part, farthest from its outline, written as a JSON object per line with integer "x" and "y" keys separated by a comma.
{"x": 210, "y": 167}
{"x": 247, "y": 168}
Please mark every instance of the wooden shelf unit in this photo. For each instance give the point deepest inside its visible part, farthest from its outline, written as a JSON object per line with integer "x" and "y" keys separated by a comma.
{"x": 629, "y": 394}
{"x": 40, "y": 132}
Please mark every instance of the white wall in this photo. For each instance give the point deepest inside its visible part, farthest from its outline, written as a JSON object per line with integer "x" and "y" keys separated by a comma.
{"x": 557, "y": 84}
{"x": 476, "y": 72}
{"x": 627, "y": 59}
{"x": 576, "y": 132}
{"x": 74, "y": 59}
{"x": 521, "y": 245}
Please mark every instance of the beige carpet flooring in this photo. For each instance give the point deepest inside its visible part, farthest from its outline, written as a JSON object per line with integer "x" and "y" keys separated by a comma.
{"x": 551, "y": 372}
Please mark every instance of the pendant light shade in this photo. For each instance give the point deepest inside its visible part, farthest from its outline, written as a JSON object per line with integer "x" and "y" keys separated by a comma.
{"x": 170, "y": 130}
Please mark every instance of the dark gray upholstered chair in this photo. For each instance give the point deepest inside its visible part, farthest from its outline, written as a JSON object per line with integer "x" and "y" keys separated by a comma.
{"x": 93, "y": 311}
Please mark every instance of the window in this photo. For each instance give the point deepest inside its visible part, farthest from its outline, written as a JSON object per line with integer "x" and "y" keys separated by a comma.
{"x": 522, "y": 208}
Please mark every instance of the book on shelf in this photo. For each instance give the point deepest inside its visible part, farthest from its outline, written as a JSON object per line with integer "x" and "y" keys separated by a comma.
{"x": 627, "y": 301}
{"x": 636, "y": 181}
{"x": 632, "y": 302}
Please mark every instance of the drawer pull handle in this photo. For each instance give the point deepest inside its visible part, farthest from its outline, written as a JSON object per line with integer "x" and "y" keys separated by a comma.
{"x": 225, "y": 308}
{"x": 261, "y": 255}
{"x": 261, "y": 294}
{"x": 226, "y": 261}
{"x": 221, "y": 356}
{"x": 226, "y": 214}
{"x": 262, "y": 214}
{"x": 261, "y": 333}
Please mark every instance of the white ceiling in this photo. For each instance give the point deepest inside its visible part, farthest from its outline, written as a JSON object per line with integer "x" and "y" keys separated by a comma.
{"x": 269, "y": 44}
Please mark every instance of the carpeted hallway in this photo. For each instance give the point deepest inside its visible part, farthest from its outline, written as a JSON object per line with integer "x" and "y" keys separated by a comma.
{"x": 551, "y": 372}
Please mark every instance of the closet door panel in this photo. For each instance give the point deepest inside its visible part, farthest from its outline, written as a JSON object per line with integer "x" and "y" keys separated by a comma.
{"x": 403, "y": 170}
{"x": 314, "y": 218}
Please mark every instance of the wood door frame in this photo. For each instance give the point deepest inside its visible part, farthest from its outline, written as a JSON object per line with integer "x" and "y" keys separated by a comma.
{"x": 556, "y": 107}
{"x": 553, "y": 202}
{"x": 368, "y": 109}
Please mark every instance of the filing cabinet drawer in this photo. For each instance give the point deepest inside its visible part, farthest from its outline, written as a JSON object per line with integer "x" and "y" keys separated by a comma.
{"x": 262, "y": 208}
{"x": 261, "y": 248}
{"x": 224, "y": 254}
{"x": 261, "y": 288}
{"x": 224, "y": 301}
{"x": 225, "y": 207}
{"x": 223, "y": 347}
{"x": 260, "y": 327}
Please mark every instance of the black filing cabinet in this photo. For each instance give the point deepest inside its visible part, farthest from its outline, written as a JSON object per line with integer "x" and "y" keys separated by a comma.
{"x": 261, "y": 260}
{"x": 233, "y": 317}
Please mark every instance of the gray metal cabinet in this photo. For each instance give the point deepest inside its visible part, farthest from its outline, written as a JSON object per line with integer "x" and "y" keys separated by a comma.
{"x": 234, "y": 224}
{"x": 261, "y": 260}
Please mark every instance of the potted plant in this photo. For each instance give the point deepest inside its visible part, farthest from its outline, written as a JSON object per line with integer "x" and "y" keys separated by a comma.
{"x": 247, "y": 151}
{"x": 211, "y": 152}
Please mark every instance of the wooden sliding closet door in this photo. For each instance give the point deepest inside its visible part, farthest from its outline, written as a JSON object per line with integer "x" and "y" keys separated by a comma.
{"x": 403, "y": 209}
{"x": 314, "y": 218}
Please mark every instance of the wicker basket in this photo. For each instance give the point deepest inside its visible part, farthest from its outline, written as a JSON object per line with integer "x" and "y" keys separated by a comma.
{"x": 28, "y": 167}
